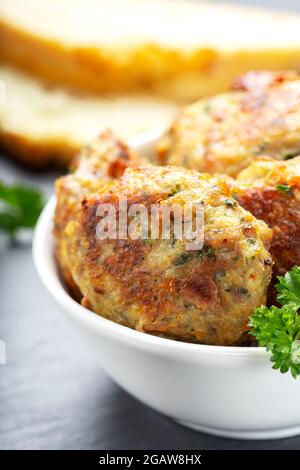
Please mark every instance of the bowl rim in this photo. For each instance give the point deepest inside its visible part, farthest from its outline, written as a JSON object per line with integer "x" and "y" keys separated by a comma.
{"x": 45, "y": 264}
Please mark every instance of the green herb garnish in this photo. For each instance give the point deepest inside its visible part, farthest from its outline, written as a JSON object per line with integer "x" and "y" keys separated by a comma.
{"x": 230, "y": 203}
{"x": 20, "y": 207}
{"x": 206, "y": 252}
{"x": 182, "y": 259}
{"x": 278, "y": 328}
{"x": 285, "y": 188}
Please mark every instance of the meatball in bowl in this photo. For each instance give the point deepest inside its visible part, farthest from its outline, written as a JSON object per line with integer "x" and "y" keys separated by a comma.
{"x": 158, "y": 286}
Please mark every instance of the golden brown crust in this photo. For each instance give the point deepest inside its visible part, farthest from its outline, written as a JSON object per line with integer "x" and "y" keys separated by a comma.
{"x": 281, "y": 212}
{"x": 104, "y": 159}
{"x": 48, "y": 59}
{"x": 270, "y": 190}
{"x": 166, "y": 69}
{"x": 159, "y": 287}
{"x": 225, "y": 133}
{"x": 35, "y": 153}
{"x": 80, "y": 67}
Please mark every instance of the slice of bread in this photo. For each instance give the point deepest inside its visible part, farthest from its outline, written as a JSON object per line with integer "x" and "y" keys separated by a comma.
{"x": 40, "y": 125}
{"x": 181, "y": 49}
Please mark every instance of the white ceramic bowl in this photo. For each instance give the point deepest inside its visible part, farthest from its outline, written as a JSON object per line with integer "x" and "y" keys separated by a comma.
{"x": 226, "y": 391}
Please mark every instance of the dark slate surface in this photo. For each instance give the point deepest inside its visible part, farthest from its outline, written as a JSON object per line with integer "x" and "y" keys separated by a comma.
{"x": 52, "y": 393}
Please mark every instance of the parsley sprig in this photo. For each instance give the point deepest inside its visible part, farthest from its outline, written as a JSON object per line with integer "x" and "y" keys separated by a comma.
{"x": 20, "y": 207}
{"x": 278, "y": 328}
{"x": 285, "y": 188}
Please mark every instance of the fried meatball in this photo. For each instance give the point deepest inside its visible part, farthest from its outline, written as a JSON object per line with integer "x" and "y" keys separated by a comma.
{"x": 270, "y": 190}
{"x": 224, "y": 133}
{"x": 158, "y": 286}
{"x": 105, "y": 159}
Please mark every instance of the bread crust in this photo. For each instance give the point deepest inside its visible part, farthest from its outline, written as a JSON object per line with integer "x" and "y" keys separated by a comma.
{"x": 37, "y": 154}
{"x": 144, "y": 68}
{"x": 170, "y": 72}
{"x": 42, "y": 125}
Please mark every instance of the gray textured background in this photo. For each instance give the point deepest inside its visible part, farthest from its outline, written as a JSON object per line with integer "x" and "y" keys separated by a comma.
{"x": 52, "y": 393}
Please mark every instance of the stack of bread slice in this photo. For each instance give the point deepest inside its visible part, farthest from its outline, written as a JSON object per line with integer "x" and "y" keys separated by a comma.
{"x": 74, "y": 67}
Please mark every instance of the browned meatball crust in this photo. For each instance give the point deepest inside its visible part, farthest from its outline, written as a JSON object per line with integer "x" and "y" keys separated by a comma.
{"x": 105, "y": 159}
{"x": 158, "y": 286}
{"x": 270, "y": 190}
{"x": 224, "y": 133}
